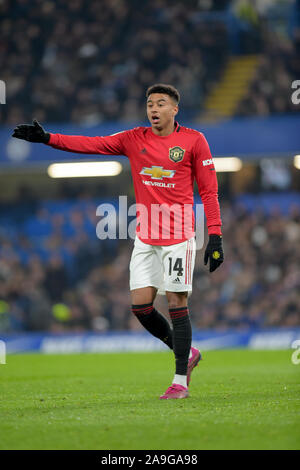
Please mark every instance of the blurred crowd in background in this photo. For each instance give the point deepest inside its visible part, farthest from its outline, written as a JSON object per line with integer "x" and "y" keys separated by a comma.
{"x": 270, "y": 89}
{"x": 56, "y": 275}
{"x": 88, "y": 62}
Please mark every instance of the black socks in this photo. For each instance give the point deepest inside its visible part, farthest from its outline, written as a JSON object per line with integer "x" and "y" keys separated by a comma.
{"x": 180, "y": 339}
{"x": 154, "y": 322}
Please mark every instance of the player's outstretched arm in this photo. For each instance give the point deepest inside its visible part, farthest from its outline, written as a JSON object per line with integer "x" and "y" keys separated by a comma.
{"x": 32, "y": 132}
{"x": 108, "y": 145}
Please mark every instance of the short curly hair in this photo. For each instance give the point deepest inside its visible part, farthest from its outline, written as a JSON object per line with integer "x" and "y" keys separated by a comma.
{"x": 166, "y": 89}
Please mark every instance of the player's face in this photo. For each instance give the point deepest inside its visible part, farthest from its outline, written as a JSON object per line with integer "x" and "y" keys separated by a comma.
{"x": 161, "y": 110}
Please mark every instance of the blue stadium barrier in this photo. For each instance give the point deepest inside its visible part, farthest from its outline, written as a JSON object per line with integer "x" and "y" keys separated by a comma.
{"x": 266, "y": 203}
{"x": 276, "y": 338}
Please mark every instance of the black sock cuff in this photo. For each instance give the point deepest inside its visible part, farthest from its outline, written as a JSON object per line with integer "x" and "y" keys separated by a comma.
{"x": 178, "y": 312}
{"x": 144, "y": 309}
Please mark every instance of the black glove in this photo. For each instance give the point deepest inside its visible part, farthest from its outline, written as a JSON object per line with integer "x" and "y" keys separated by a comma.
{"x": 32, "y": 133}
{"x": 214, "y": 252}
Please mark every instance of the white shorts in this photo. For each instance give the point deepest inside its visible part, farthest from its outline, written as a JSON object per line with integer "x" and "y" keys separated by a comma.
{"x": 168, "y": 268}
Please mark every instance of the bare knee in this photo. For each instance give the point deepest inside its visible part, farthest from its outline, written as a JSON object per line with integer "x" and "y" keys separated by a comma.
{"x": 145, "y": 295}
{"x": 177, "y": 299}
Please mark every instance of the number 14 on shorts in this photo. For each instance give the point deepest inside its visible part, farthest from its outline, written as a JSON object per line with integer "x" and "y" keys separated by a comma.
{"x": 175, "y": 267}
{"x": 180, "y": 268}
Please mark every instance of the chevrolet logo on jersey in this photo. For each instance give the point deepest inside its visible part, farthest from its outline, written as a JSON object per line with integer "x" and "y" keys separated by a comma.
{"x": 157, "y": 172}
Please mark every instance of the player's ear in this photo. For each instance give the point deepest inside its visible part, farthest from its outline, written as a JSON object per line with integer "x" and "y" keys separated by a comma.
{"x": 176, "y": 109}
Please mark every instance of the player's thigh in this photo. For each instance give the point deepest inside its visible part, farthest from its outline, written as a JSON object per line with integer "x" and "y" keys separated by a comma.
{"x": 178, "y": 262}
{"x": 145, "y": 267}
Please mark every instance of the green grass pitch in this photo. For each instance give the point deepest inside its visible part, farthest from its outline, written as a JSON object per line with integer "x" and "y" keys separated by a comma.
{"x": 239, "y": 399}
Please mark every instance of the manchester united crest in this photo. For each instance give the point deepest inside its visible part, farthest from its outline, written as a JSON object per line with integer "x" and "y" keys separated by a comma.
{"x": 176, "y": 154}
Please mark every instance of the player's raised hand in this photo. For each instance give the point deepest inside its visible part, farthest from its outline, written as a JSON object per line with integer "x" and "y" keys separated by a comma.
{"x": 31, "y": 132}
{"x": 214, "y": 252}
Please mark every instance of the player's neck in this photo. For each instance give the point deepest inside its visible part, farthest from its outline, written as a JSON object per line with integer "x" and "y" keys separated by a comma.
{"x": 165, "y": 131}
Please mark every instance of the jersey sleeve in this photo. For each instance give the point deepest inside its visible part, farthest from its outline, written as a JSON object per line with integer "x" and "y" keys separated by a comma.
{"x": 109, "y": 145}
{"x": 205, "y": 174}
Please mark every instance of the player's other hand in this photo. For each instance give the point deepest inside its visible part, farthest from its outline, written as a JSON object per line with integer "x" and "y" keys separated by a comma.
{"x": 214, "y": 252}
{"x": 31, "y": 132}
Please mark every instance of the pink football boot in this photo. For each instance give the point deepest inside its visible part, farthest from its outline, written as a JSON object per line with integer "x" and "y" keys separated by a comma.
{"x": 193, "y": 362}
{"x": 175, "y": 391}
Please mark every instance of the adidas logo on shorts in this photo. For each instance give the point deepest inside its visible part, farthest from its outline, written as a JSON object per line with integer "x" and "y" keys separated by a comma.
{"x": 176, "y": 281}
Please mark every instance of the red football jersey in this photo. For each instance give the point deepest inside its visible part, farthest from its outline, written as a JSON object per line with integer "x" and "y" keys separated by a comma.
{"x": 163, "y": 170}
